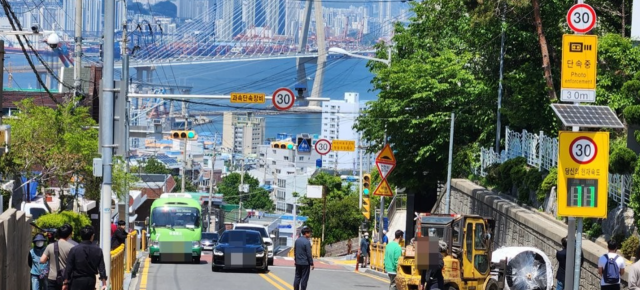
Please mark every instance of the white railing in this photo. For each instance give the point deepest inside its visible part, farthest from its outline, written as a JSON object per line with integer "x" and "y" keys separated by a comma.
{"x": 542, "y": 152}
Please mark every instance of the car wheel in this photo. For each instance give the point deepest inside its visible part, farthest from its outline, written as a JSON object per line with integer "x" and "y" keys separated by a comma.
{"x": 265, "y": 267}
{"x": 196, "y": 260}
{"x": 270, "y": 262}
{"x": 155, "y": 260}
{"x": 215, "y": 269}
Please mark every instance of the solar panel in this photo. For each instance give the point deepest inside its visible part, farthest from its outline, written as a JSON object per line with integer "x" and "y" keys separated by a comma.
{"x": 587, "y": 116}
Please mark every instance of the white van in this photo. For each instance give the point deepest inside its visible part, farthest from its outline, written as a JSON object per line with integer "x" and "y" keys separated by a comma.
{"x": 268, "y": 240}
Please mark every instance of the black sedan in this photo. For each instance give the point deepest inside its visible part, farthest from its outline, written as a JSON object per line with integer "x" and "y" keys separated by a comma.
{"x": 240, "y": 249}
{"x": 208, "y": 241}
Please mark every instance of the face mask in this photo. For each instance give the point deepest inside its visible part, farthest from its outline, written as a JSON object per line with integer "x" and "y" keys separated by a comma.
{"x": 39, "y": 244}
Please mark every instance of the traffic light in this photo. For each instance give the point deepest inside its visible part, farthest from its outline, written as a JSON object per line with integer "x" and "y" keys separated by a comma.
{"x": 183, "y": 134}
{"x": 366, "y": 202}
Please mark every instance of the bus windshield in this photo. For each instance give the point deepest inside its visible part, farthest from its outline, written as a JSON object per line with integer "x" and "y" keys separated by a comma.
{"x": 173, "y": 216}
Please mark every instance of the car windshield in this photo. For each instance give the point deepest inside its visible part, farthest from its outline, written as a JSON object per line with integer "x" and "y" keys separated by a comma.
{"x": 37, "y": 212}
{"x": 261, "y": 230}
{"x": 209, "y": 236}
{"x": 240, "y": 238}
{"x": 173, "y": 216}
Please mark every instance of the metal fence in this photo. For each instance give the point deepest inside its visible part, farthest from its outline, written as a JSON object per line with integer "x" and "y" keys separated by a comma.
{"x": 542, "y": 152}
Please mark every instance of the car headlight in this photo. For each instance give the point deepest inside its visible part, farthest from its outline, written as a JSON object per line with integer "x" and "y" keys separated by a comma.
{"x": 196, "y": 244}
{"x": 155, "y": 243}
{"x": 217, "y": 252}
{"x": 268, "y": 244}
{"x": 260, "y": 254}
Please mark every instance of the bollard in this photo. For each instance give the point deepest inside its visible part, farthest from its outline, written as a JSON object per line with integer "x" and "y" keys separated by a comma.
{"x": 357, "y": 261}
{"x": 117, "y": 268}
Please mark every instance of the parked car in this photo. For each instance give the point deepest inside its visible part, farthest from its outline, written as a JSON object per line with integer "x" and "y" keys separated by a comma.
{"x": 208, "y": 241}
{"x": 240, "y": 249}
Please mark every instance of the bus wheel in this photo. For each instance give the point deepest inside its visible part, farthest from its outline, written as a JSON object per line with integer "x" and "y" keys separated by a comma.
{"x": 154, "y": 260}
{"x": 196, "y": 260}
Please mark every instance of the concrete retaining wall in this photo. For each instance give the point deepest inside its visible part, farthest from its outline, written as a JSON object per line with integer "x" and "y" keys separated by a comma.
{"x": 518, "y": 226}
{"x": 340, "y": 248}
{"x": 15, "y": 243}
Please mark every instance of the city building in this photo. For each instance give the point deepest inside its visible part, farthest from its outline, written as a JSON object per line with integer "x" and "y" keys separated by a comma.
{"x": 242, "y": 133}
{"x": 338, "y": 118}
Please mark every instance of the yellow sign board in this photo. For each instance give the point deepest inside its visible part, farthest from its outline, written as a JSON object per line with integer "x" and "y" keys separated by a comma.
{"x": 583, "y": 174}
{"x": 248, "y": 98}
{"x": 383, "y": 189}
{"x": 343, "y": 145}
{"x": 579, "y": 61}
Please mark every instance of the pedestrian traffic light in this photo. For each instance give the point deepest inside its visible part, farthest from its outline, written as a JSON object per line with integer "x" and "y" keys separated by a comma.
{"x": 183, "y": 134}
{"x": 366, "y": 203}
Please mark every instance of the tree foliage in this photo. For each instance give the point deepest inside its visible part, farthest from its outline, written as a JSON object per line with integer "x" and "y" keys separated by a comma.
{"x": 165, "y": 8}
{"x": 257, "y": 197}
{"x": 121, "y": 178}
{"x": 154, "y": 166}
{"x": 56, "y": 220}
{"x": 189, "y": 187}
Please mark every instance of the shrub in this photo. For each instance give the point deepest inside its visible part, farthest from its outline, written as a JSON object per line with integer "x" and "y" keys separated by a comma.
{"x": 632, "y": 114}
{"x": 510, "y": 170}
{"x": 622, "y": 161}
{"x": 56, "y": 220}
{"x": 629, "y": 247}
{"x": 593, "y": 229}
{"x": 547, "y": 184}
{"x": 531, "y": 182}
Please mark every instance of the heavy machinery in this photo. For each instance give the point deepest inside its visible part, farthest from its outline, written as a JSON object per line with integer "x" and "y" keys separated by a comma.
{"x": 467, "y": 264}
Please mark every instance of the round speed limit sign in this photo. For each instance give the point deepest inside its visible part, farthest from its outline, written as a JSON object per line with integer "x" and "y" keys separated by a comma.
{"x": 583, "y": 150}
{"x": 283, "y": 99}
{"x": 323, "y": 146}
{"x": 581, "y": 18}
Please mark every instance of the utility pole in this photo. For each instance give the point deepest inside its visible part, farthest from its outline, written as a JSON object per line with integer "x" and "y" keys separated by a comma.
{"x": 498, "y": 125}
{"x": 448, "y": 195}
{"x": 241, "y": 189}
{"x": 106, "y": 118}
{"x": 77, "y": 54}
{"x": 381, "y": 223}
{"x": 124, "y": 90}
{"x": 186, "y": 141}
{"x": 213, "y": 163}
{"x": 2, "y": 80}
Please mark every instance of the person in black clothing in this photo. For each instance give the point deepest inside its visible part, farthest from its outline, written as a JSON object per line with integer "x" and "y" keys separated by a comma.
{"x": 303, "y": 259}
{"x": 432, "y": 279}
{"x": 120, "y": 236}
{"x": 561, "y": 255}
{"x": 83, "y": 263}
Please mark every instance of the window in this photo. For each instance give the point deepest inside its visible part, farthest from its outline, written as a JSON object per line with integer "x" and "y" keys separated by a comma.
{"x": 479, "y": 237}
{"x": 469, "y": 242}
{"x": 286, "y": 158}
{"x": 273, "y": 162}
{"x": 455, "y": 234}
{"x": 301, "y": 158}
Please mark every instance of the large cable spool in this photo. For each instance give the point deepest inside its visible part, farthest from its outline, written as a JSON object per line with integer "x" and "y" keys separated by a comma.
{"x": 527, "y": 268}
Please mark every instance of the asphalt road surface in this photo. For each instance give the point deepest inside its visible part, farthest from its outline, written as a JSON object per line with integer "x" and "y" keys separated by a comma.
{"x": 166, "y": 276}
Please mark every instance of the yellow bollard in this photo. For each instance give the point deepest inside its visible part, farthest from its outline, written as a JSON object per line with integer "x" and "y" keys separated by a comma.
{"x": 143, "y": 240}
{"x": 117, "y": 270}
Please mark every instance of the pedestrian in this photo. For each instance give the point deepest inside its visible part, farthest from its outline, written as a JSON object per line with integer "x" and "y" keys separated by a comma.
{"x": 84, "y": 262}
{"x": 120, "y": 236}
{"x": 39, "y": 271}
{"x": 561, "y": 255}
{"x": 634, "y": 273}
{"x": 392, "y": 253}
{"x": 58, "y": 251}
{"x": 364, "y": 249}
{"x": 432, "y": 278}
{"x": 349, "y": 247}
{"x": 385, "y": 239}
{"x": 303, "y": 259}
{"x": 611, "y": 267}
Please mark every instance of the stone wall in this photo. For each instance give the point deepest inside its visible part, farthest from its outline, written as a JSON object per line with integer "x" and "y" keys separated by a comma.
{"x": 340, "y": 248}
{"x": 518, "y": 226}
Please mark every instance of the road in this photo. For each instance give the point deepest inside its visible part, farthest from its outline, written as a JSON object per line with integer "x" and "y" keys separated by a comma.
{"x": 280, "y": 277}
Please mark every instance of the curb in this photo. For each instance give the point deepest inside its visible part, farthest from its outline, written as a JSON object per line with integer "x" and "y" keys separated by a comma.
{"x": 133, "y": 278}
{"x": 377, "y": 273}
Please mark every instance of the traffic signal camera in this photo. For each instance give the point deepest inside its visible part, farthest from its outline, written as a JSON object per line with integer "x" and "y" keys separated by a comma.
{"x": 183, "y": 134}
{"x": 366, "y": 189}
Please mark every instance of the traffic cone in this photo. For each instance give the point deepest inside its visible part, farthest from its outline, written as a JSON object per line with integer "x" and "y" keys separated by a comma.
{"x": 357, "y": 261}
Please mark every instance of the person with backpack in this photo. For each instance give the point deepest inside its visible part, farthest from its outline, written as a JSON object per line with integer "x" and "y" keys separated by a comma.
{"x": 39, "y": 271}
{"x": 611, "y": 267}
{"x": 57, "y": 252}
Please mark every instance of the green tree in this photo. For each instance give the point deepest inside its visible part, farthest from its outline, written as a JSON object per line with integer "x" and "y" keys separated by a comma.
{"x": 189, "y": 187}
{"x": 256, "y": 198}
{"x": 154, "y": 166}
{"x": 121, "y": 178}
{"x": 56, "y": 220}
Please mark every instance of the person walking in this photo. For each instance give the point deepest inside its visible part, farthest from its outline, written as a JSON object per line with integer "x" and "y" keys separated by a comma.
{"x": 57, "y": 252}
{"x": 39, "y": 271}
{"x": 120, "y": 236}
{"x": 385, "y": 239}
{"x": 634, "y": 273}
{"x": 84, "y": 262}
{"x": 611, "y": 267}
{"x": 392, "y": 253}
{"x": 349, "y": 247}
{"x": 303, "y": 259}
{"x": 432, "y": 278}
{"x": 561, "y": 256}
{"x": 364, "y": 250}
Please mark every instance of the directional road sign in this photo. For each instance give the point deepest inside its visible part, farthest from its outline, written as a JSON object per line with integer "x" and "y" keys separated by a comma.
{"x": 248, "y": 98}
{"x": 581, "y": 18}
{"x": 343, "y": 145}
{"x": 579, "y": 68}
{"x": 383, "y": 189}
{"x": 583, "y": 174}
{"x": 283, "y": 99}
{"x": 323, "y": 146}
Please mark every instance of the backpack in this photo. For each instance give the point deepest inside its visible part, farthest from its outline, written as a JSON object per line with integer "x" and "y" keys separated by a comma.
{"x": 611, "y": 271}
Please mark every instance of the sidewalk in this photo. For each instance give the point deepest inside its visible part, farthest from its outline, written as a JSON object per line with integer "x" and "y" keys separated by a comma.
{"x": 130, "y": 282}
{"x": 349, "y": 262}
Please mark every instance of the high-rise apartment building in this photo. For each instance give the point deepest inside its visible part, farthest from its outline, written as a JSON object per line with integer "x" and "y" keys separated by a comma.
{"x": 242, "y": 133}
{"x": 338, "y": 118}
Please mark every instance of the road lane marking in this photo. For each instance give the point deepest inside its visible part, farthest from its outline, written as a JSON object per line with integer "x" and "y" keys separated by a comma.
{"x": 145, "y": 273}
{"x": 316, "y": 269}
{"x": 373, "y": 277}
{"x": 271, "y": 282}
{"x": 280, "y": 280}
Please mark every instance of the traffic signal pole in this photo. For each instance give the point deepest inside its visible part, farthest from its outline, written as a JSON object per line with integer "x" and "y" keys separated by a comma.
{"x": 184, "y": 153}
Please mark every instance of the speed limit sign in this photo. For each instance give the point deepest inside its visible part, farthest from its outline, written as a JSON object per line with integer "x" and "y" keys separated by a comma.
{"x": 581, "y": 18}
{"x": 323, "y": 146}
{"x": 283, "y": 99}
{"x": 583, "y": 150}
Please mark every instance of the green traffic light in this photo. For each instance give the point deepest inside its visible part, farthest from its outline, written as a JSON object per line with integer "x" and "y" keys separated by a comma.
{"x": 366, "y": 191}
{"x": 191, "y": 134}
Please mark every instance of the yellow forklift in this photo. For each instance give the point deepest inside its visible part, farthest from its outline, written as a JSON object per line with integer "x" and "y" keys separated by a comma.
{"x": 467, "y": 263}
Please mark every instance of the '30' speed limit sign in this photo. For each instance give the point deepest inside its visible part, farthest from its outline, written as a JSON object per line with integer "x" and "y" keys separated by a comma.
{"x": 283, "y": 99}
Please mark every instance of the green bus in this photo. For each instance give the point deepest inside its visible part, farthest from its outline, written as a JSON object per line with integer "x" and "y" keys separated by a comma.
{"x": 175, "y": 228}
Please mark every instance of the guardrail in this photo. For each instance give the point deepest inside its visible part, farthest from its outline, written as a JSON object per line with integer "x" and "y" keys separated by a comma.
{"x": 117, "y": 268}
{"x": 377, "y": 257}
{"x": 315, "y": 249}
{"x": 130, "y": 250}
{"x": 399, "y": 201}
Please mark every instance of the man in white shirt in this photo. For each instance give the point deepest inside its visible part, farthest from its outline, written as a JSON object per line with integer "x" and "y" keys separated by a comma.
{"x": 611, "y": 268}
{"x": 634, "y": 273}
